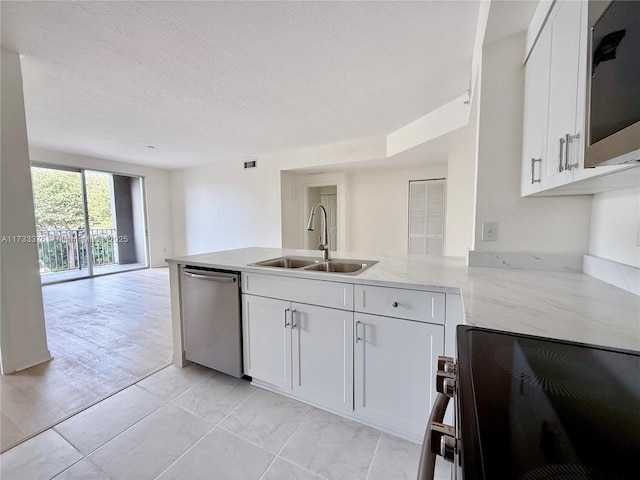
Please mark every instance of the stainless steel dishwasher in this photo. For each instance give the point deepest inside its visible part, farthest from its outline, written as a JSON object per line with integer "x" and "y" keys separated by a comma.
{"x": 211, "y": 319}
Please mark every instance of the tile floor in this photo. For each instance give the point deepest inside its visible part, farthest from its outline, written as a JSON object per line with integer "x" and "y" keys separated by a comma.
{"x": 194, "y": 423}
{"x": 104, "y": 334}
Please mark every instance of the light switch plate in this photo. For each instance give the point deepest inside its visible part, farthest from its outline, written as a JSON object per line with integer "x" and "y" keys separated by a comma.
{"x": 490, "y": 231}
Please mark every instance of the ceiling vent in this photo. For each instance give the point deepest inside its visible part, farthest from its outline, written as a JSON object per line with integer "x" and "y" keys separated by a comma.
{"x": 251, "y": 164}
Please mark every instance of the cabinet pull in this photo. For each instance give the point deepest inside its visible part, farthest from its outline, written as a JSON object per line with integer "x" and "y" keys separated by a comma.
{"x": 570, "y": 139}
{"x": 560, "y": 152}
{"x": 358, "y": 337}
{"x": 394, "y": 304}
{"x": 285, "y": 317}
{"x": 533, "y": 162}
{"x": 293, "y": 319}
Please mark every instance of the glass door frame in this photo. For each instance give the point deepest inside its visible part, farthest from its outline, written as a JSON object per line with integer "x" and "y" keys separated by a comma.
{"x": 85, "y": 204}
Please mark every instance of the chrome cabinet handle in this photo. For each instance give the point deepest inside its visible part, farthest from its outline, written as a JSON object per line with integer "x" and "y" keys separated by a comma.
{"x": 561, "y": 150}
{"x": 358, "y": 337}
{"x": 533, "y": 162}
{"x": 567, "y": 140}
{"x": 285, "y": 317}
{"x": 570, "y": 139}
{"x": 293, "y": 319}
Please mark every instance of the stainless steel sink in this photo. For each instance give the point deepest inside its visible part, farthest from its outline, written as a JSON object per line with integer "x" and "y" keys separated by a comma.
{"x": 288, "y": 262}
{"x": 336, "y": 265}
{"x": 333, "y": 266}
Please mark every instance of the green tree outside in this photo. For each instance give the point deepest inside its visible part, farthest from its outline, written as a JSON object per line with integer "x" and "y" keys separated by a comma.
{"x": 57, "y": 195}
{"x": 59, "y": 212}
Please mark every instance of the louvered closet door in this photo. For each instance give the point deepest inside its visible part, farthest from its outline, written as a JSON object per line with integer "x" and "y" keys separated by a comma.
{"x": 426, "y": 217}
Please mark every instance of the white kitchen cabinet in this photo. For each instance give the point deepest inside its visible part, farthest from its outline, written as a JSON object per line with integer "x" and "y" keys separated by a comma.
{"x": 565, "y": 24}
{"x": 400, "y": 303}
{"x": 313, "y": 292}
{"x": 322, "y": 350}
{"x": 303, "y": 349}
{"x": 395, "y": 366}
{"x": 367, "y": 352}
{"x": 536, "y": 107}
{"x": 555, "y": 106}
{"x": 267, "y": 340}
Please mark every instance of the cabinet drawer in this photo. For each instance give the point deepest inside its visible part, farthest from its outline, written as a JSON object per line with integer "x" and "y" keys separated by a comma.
{"x": 315, "y": 292}
{"x": 400, "y": 303}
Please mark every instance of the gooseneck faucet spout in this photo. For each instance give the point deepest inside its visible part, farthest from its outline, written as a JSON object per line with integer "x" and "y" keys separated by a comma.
{"x": 324, "y": 239}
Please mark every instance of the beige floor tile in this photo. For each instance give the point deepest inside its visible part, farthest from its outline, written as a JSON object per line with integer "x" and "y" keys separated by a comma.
{"x": 97, "y": 425}
{"x": 395, "y": 459}
{"x": 332, "y": 446}
{"x": 220, "y": 456}
{"x": 146, "y": 449}
{"x": 284, "y": 470}
{"x": 173, "y": 381}
{"x": 214, "y": 398}
{"x": 104, "y": 334}
{"x": 41, "y": 457}
{"x": 267, "y": 419}
{"x": 83, "y": 470}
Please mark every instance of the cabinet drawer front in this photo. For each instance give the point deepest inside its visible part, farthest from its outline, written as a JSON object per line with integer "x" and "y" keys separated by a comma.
{"x": 315, "y": 292}
{"x": 397, "y": 302}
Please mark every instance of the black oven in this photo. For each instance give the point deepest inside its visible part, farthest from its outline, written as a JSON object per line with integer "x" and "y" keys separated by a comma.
{"x": 530, "y": 408}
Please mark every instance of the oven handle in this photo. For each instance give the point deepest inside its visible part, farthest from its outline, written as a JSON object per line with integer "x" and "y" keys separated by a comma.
{"x": 427, "y": 465}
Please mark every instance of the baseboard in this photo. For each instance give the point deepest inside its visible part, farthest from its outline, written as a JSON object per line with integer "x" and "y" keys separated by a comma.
{"x": 557, "y": 262}
{"x": 34, "y": 360}
{"x": 617, "y": 274}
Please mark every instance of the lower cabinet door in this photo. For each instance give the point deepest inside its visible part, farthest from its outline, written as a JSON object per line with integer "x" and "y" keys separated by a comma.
{"x": 266, "y": 330}
{"x": 395, "y": 367}
{"x": 322, "y": 346}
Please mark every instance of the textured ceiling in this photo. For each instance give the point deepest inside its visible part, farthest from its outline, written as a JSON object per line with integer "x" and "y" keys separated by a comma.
{"x": 206, "y": 82}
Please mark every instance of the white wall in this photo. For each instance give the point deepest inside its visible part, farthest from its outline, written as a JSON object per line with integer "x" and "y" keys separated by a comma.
{"x": 615, "y": 226}
{"x": 295, "y": 209}
{"x": 158, "y": 195}
{"x": 23, "y": 338}
{"x": 378, "y": 208}
{"x": 461, "y": 179}
{"x": 224, "y": 207}
{"x": 543, "y": 225}
{"x": 292, "y": 213}
{"x": 375, "y": 205}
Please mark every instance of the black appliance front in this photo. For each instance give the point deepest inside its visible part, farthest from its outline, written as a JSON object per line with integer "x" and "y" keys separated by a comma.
{"x": 535, "y": 408}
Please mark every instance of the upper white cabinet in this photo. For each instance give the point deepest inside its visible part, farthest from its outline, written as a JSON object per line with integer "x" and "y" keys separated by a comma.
{"x": 563, "y": 134}
{"x": 555, "y": 104}
{"x": 537, "y": 74}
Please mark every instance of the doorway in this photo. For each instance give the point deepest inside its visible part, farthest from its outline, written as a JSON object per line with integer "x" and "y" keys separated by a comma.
{"x": 88, "y": 222}
{"x": 327, "y": 196}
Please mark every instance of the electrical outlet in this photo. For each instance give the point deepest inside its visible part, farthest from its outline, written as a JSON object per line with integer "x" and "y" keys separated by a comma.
{"x": 490, "y": 231}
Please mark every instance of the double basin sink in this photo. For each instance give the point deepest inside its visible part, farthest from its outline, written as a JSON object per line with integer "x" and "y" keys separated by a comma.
{"x": 335, "y": 265}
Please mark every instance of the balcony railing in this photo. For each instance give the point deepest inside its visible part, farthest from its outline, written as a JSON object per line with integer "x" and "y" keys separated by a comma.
{"x": 62, "y": 250}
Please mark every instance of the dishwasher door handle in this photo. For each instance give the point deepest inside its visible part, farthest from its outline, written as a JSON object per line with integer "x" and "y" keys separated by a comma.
{"x": 211, "y": 278}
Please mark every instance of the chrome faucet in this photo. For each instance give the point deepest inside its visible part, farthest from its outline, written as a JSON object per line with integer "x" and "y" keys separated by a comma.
{"x": 324, "y": 240}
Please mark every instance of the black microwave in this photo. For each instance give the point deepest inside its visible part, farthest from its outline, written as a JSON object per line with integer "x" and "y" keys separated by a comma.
{"x": 613, "y": 83}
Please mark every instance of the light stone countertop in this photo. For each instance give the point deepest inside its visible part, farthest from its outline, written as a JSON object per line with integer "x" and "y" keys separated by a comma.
{"x": 570, "y": 306}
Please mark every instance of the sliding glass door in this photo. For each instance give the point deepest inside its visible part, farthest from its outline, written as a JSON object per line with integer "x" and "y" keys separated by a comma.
{"x": 88, "y": 223}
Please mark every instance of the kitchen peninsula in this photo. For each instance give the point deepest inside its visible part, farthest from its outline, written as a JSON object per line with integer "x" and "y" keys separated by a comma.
{"x": 391, "y": 321}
